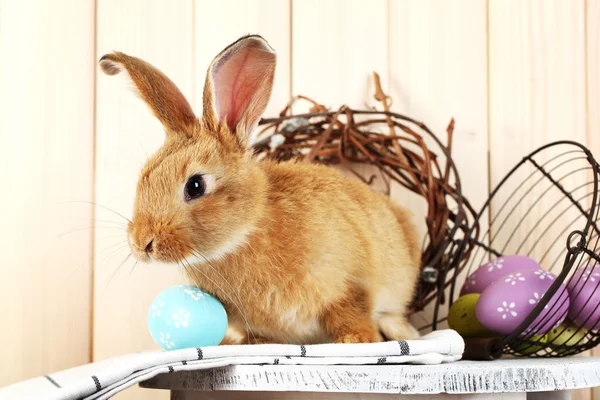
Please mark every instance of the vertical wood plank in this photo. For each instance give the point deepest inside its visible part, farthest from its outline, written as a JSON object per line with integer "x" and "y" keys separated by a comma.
{"x": 337, "y": 44}
{"x": 162, "y": 34}
{"x": 438, "y": 70}
{"x": 593, "y": 76}
{"x": 46, "y": 142}
{"x": 537, "y": 77}
{"x": 593, "y": 97}
{"x": 219, "y": 24}
{"x": 438, "y": 55}
{"x": 537, "y": 96}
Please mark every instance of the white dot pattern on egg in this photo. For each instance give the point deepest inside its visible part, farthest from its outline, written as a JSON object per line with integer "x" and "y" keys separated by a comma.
{"x": 165, "y": 339}
{"x": 496, "y": 269}
{"x": 584, "y": 290}
{"x": 505, "y": 304}
{"x": 155, "y": 308}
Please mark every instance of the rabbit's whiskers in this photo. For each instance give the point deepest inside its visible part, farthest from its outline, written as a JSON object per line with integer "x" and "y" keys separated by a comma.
{"x": 240, "y": 307}
{"x": 99, "y": 206}
{"x": 116, "y": 270}
{"x": 96, "y": 253}
{"x": 241, "y": 310}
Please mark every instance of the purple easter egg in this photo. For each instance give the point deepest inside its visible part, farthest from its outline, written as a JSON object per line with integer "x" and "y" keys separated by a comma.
{"x": 505, "y": 304}
{"x": 584, "y": 291}
{"x": 495, "y": 269}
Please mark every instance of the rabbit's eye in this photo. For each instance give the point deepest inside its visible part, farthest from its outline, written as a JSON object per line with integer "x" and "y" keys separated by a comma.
{"x": 194, "y": 187}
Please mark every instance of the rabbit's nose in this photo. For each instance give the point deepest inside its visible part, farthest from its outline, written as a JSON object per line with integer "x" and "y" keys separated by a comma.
{"x": 142, "y": 246}
{"x": 149, "y": 247}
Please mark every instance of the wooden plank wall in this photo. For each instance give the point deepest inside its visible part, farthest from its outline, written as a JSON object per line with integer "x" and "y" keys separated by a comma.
{"x": 537, "y": 95}
{"x": 161, "y": 33}
{"x": 592, "y": 60}
{"x": 47, "y": 72}
{"x": 514, "y": 73}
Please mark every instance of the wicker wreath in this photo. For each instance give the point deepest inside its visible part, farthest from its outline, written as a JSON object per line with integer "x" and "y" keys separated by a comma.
{"x": 397, "y": 146}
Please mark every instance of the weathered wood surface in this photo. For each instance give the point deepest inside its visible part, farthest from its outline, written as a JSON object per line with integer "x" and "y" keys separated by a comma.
{"x": 517, "y": 375}
{"x": 191, "y": 395}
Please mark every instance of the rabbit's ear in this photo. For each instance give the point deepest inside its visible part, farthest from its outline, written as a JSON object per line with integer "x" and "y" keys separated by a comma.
{"x": 238, "y": 86}
{"x": 162, "y": 96}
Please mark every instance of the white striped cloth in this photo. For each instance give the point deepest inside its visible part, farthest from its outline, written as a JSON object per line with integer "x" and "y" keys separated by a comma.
{"x": 104, "y": 379}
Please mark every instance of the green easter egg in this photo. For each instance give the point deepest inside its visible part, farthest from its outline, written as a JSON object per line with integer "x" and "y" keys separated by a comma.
{"x": 462, "y": 319}
{"x": 567, "y": 334}
{"x": 526, "y": 349}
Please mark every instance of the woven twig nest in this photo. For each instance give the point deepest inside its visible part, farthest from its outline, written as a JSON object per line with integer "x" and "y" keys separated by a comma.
{"x": 398, "y": 146}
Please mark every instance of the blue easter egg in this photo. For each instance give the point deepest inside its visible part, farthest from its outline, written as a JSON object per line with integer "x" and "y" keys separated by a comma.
{"x": 185, "y": 316}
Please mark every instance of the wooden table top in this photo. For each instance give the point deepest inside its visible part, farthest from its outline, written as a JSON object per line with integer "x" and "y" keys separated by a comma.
{"x": 504, "y": 375}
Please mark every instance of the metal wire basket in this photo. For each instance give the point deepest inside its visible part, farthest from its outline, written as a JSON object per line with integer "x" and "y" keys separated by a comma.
{"x": 545, "y": 208}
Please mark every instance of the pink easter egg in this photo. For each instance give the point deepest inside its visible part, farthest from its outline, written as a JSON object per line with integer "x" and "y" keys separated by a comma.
{"x": 584, "y": 291}
{"x": 505, "y": 304}
{"x": 497, "y": 268}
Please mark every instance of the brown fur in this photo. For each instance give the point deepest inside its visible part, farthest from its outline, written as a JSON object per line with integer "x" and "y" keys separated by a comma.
{"x": 305, "y": 253}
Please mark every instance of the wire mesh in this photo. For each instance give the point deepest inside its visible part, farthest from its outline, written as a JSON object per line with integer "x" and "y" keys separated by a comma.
{"x": 546, "y": 208}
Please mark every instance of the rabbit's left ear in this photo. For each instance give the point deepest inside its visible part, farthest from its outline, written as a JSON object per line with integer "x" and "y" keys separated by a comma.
{"x": 162, "y": 96}
{"x": 238, "y": 86}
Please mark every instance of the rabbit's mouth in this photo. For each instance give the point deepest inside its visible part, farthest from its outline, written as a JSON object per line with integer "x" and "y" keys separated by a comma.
{"x": 141, "y": 252}
{"x": 164, "y": 245}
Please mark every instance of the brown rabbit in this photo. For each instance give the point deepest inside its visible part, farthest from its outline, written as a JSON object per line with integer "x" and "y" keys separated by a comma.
{"x": 296, "y": 252}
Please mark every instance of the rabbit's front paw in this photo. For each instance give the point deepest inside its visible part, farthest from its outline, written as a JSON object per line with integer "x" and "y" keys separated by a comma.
{"x": 362, "y": 337}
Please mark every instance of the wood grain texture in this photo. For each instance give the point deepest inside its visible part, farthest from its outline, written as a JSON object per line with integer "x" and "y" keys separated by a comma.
{"x": 46, "y": 142}
{"x": 217, "y": 24}
{"x": 183, "y": 395}
{"x": 434, "y": 57}
{"x": 537, "y": 77}
{"x": 592, "y": 41}
{"x": 500, "y": 376}
{"x": 334, "y": 56}
{"x": 593, "y": 99}
{"x": 537, "y": 96}
{"x": 438, "y": 71}
{"x": 160, "y": 33}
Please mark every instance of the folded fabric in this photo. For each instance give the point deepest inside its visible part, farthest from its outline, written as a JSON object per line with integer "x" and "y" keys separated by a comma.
{"x": 103, "y": 379}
